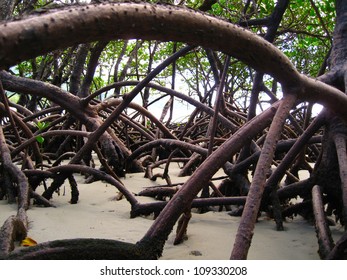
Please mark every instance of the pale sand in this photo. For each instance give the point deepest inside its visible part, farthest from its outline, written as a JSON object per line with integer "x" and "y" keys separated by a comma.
{"x": 210, "y": 235}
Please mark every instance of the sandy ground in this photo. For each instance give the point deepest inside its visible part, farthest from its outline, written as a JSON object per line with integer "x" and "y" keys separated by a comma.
{"x": 210, "y": 235}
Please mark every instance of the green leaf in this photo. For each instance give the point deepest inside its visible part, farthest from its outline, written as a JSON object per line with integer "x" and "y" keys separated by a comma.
{"x": 40, "y": 139}
{"x": 42, "y": 125}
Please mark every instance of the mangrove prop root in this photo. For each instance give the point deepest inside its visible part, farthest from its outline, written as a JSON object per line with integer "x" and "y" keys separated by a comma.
{"x": 339, "y": 251}
{"x": 12, "y": 230}
{"x": 83, "y": 249}
{"x": 245, "y": 231}
{"x": 182, "y": 227}
{"x": 325, "y": 240}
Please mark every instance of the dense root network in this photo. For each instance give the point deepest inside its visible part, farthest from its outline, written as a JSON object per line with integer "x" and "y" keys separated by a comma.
{"x": 78, "y": 131}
